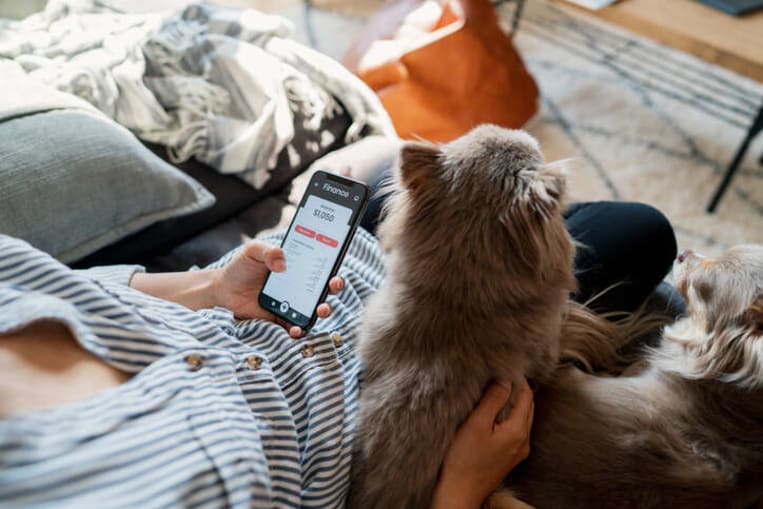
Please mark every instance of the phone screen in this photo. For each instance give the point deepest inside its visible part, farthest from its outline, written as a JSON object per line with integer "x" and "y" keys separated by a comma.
{"x": 313, "y": 247}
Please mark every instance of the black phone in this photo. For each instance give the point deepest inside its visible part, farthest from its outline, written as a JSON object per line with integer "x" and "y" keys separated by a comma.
{"x": 314, "y": 245}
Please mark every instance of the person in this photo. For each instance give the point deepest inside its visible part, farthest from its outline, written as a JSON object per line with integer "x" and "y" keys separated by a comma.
{"x": 124, "y": 429}
{"x": 121, "y": 388}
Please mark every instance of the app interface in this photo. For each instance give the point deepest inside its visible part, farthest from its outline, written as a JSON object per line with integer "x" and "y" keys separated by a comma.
{"x": 311, "y": 248}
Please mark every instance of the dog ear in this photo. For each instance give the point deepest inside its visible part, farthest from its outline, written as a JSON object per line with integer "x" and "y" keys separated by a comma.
{"x": 754, "y": 314}
{"x": 418, "y": 161}
{"x": 549, "y": 189}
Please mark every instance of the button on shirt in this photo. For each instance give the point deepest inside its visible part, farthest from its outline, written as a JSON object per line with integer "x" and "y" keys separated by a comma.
{"x": 218, "y": 412}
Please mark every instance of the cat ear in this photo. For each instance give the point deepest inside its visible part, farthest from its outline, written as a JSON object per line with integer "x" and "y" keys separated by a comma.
{"x": 418, "y": 162}
{"x": 754, "y": 314}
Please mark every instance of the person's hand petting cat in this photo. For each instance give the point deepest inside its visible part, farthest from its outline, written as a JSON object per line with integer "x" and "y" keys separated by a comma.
{"x": 483, "y": 452}
{"x": 235, "y": 287}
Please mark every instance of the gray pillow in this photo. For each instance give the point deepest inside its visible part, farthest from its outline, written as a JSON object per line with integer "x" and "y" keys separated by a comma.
{"x": 72, "y": 182}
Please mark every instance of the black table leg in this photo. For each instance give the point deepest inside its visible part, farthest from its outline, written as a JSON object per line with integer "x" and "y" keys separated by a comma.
{"x": 517, "y": 13}
{"x": 755, "y": 128}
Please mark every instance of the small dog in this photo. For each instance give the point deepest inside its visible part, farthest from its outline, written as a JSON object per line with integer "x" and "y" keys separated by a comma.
{"x": 685, "y": 432}
{"x": 478, "y": 275}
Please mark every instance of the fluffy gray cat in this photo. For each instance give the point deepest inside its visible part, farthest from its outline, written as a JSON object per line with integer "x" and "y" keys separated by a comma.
{"x": 478, "y": 275}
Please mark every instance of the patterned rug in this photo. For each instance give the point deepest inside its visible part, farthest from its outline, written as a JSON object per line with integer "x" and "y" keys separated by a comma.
{"x": 646, "y": 123}
{"x": 641, "y": 121}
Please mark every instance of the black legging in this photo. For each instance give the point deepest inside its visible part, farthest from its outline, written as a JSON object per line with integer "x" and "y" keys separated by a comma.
{"x": 625, "y": 249}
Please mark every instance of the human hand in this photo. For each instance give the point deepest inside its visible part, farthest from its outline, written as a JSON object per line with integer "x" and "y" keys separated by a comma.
{"x": 237, "y": 286}
{"x": 483, "y": 452}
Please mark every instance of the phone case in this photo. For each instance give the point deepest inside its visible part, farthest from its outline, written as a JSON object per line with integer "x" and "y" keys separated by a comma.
{"x": 263, "y": 298}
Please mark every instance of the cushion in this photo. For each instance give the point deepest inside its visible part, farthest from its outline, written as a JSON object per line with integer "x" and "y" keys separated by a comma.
{"x": 153, "y": 245}
{"x": 73, "y": 181}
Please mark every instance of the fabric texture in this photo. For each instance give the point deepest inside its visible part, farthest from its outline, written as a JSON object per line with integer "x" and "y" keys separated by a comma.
{"x": 20, "y": 94}
{"x": 74, "y": 181}
{"x": 218, "y": 412}
{"x": 414, "y": 73}
{"x": 363, "y": 160}
{"x": 233, "y": 196}
{"x": 222, "y": 85}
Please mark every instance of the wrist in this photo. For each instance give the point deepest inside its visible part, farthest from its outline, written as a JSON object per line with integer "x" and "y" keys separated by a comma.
{"x": 195, "y": 289}
{"x": 207, "y": 289}
{"x": 457, "y": 494}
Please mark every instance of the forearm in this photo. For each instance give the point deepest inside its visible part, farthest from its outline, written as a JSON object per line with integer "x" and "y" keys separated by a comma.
{"x": 194, "y": 289}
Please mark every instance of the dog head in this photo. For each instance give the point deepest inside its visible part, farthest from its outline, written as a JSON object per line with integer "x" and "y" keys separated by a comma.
{"x": 485, "y": 201}
{"x": 724, "y": 329}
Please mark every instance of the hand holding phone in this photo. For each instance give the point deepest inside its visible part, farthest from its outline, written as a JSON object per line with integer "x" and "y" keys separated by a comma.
{"x": 314, "y": 246}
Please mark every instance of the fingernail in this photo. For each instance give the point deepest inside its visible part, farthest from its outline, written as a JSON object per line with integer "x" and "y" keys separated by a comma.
{"x": 505, "y": 384}
{"x": 279, "y": 265}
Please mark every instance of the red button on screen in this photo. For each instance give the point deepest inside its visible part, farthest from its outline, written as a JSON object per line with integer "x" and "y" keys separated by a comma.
{"x": 305, "y": 231}
{"x": 328, "y": 241}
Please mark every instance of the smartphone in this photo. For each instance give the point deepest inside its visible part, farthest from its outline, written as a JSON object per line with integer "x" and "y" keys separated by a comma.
{"x": 314, "y": 245}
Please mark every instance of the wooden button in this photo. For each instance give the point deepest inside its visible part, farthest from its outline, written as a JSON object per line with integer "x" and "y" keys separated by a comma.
{"x": 337, "y": 338}
{"x": 307, "y": 351}
{"x": 194, "y": 361}
{"x": 253, "y": 361}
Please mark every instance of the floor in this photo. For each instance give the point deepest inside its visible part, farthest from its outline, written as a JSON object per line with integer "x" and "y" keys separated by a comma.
{"x": 733, "y": 42}
{"x": 645, "y": 123}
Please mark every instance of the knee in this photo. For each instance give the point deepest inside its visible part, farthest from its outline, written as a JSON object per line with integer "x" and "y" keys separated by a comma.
{"x": 623, "y": 231}
{"x": 626, "y": 242}
{"x": 656, "y": 238}
{"x": 651, "y": 241}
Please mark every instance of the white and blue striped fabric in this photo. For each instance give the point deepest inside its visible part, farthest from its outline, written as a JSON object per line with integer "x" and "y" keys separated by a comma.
{"x": 218, "y": 412}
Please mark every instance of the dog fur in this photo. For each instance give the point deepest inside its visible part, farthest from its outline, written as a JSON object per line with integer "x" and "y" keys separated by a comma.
{"x": 684, "y": 432}
{"x": 479, "y": 270}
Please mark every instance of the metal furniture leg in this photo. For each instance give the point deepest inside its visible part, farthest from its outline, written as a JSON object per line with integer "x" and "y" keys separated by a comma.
{"x": 517, "y": 13}
{"x": 755, "y": 128}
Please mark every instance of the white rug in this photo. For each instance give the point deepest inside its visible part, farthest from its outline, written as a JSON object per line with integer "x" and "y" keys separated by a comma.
{"x": 647, "y": 123}
{"x": 642, "y": 121}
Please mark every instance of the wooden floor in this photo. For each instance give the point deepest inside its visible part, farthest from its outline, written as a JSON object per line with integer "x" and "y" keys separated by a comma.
{"x": 735, "y": 43}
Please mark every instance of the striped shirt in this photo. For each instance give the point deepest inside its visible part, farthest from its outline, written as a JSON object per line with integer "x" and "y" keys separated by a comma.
{"x": 218, "y": 412}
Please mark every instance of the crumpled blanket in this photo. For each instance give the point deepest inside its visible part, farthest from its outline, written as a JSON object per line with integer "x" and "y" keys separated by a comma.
{"x": 210, "y": 82}
{"x": 22, "y": 95}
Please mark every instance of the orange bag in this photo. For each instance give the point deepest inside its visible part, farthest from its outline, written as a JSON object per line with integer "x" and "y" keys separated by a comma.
{"x": 467, "y": 73}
